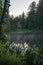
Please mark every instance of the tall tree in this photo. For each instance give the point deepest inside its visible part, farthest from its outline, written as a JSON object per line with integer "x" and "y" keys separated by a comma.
{"x": 23, "y": 20}
{"x": 31, "y": 15}
{"x": 40, "y": 14}
{"x": 0, "y": 9}
{"x": 4, "y": 16}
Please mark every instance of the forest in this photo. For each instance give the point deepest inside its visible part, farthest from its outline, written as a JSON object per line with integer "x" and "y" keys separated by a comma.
{"x": 16, "y": 54}
{"x": 33, "y": 20}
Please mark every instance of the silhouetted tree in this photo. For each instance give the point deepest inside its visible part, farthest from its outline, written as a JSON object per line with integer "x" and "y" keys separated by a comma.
{"x": 40, "y": 14}
{"x": 23, "y": 20}
{"x": 31, "y": 16}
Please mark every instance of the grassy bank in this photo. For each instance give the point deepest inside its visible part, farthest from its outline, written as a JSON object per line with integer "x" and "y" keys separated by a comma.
{"x": 26, "y": 31}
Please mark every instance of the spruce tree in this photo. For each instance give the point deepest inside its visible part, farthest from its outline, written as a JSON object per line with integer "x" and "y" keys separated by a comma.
{"x": 40, "y": 14}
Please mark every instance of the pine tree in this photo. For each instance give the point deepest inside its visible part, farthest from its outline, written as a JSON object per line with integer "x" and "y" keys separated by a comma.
{"x": 40, "y": 14}
{"x": 31, "y": 16}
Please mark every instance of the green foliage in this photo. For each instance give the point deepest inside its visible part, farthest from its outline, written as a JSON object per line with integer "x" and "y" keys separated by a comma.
{"x": 31, "y": 16}
{"x": 32, "y": 21}
{"x": 33, "y": 55}
{"x": 6, "y": 58}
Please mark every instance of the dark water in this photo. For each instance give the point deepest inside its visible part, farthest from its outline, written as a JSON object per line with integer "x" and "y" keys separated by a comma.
{"x": 32, "y": 38}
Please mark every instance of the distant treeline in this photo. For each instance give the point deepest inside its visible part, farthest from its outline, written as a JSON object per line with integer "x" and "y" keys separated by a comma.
{"x": 32, "y": 21}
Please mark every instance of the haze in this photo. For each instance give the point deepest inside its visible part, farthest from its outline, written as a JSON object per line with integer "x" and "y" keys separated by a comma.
{"x": 19, "y": 6}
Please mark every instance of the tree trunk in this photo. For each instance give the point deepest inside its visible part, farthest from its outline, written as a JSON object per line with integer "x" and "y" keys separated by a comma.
{"x": 4, "y": 17}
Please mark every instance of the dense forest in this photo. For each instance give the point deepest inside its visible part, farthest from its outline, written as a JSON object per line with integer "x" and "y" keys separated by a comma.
{"x": 33, "y": 20}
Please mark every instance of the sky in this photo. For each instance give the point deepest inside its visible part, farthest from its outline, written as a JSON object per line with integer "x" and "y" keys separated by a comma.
{"x": 19, "y": 6}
